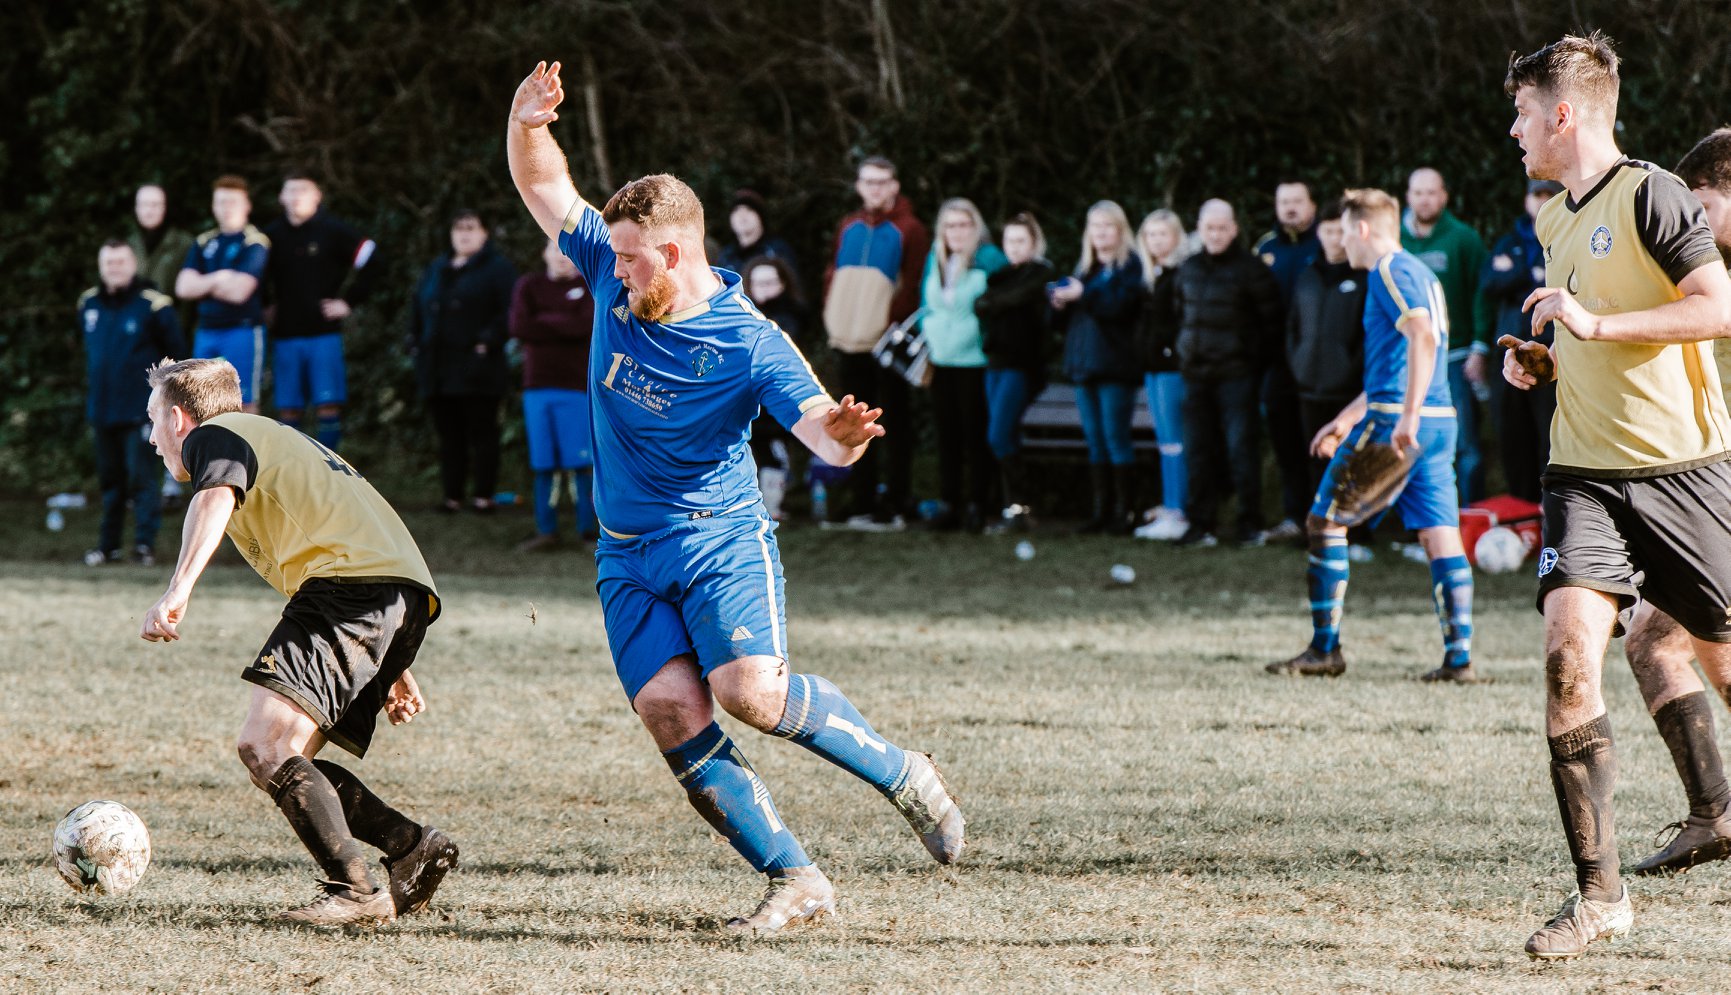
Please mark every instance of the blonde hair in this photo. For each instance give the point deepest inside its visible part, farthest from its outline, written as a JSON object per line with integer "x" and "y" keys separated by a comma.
{"x": 659, "y": 203}
{"x": 941, "y": 247}
{"x": 1374, "y": 206}
{"x": 1111, "y": 210}
{"x": 1150, "y": 265}
{"x": 203, "y": 388}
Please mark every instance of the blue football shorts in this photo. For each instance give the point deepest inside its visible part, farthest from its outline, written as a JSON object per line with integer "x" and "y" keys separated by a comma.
{"x": 1364, "y": 479}
{"x": 242, "y": 346}
{"x": 309, "y": 372}
{"x": 556, "y": 421}
{"x": 712, "y": 587}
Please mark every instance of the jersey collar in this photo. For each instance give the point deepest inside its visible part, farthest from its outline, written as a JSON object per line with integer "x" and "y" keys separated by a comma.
{"x": 1575, "y": 206}
{"x": 703, "y": 306}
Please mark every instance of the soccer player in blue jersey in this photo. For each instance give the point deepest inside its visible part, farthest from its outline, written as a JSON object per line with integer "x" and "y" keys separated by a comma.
{"x": 1393, "y": 446}
{"x": 687, "y": 568}
{"x": 222, "y": 273}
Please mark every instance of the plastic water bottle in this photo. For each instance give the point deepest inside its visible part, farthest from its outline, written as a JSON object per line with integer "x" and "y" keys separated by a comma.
{"x": 56, "y": 520}
{"x": 819, "y": 501}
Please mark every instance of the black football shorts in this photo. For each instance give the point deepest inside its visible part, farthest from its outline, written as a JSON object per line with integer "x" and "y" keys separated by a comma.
{"x": 338, "y": 650}
{"x": 1666, "y": 539}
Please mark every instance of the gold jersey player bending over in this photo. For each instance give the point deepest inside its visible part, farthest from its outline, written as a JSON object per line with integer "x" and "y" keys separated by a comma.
{"x": 360, "y": 600}
{"x": 1638, "y": 492}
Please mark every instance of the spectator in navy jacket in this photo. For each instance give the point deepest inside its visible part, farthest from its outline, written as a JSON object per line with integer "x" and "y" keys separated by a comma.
{"x": 748, "y": 219}
{"x": 1229, "y": 322}
{"x": 457, "y": 328}
{"x": 552, "y": 318}
{"x": 1288, "y": 251}
{"x": 1099, "y": 309}
{"x": 1325, "y": 334}
{"x": 128, "y": 327}
{"x": 1515, "y": 267}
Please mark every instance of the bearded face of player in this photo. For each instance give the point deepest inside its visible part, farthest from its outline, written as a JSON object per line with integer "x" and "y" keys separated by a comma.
{"x": 642, "y": 267}
{"x": 1536, "y": 130}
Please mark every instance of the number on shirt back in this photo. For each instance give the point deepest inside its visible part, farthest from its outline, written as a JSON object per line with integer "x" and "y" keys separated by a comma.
{"x": 332, "y": 460}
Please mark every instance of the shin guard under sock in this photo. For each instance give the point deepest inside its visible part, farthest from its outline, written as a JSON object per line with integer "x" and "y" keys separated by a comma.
{"x": 1583, "y": 773}
{"x": 312, "y": 807}
{"x": 1451, "y": 584}
{"x": 821, "y": 719}
{"x": 1326, "y": 577}
{"x": 371, "y": 820}
{"x": 1686, "y": 725}
{"x": 724, "y": 789}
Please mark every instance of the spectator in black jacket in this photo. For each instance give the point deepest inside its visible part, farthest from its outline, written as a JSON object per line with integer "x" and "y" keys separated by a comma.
{"x": 748, "y": 218}
{"x": 1099, "y": 308}
{"x": 318, "y": 272}
{"x": 1160, "y": 243}
{"x": 1229, "y": 320}
{"x": 772, "y": 286}
{"x": 1016, "y": 333}
{"x": 458, "y": 325}
{"x": 1515, "y": 267}
{"x": 1325, "y": 333}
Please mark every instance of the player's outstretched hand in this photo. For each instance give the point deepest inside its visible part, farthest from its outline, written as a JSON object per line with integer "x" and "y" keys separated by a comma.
{"x": 162, "y": 622}
{"x": 538, "y": 97}
{"x": 1527, "y": 364}
{"x": 852, "y": 424}
{"x": 1550, "y": 304}
{"x": 403, "y": 702}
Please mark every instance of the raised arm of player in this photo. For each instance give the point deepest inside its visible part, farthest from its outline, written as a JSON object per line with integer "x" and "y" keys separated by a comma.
{"x": 1704, "y": 313}
{"x": 839, "y": 435}
{"x": 1421, "y": 348}
{"x": 538, "y": 167}
{"x": 207, "y": 515}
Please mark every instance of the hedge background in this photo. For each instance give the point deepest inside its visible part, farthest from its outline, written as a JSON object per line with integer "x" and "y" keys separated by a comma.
{"x": 400, "y": 106}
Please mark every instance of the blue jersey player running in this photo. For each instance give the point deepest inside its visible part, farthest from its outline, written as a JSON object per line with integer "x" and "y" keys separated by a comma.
{"x": 687, "y": 569}
{"x": 1393, "y": 446}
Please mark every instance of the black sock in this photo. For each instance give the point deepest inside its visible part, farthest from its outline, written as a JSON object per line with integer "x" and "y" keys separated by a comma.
{"x": 1583, "y": 772}
{"x": 1686, "y": 725}
{"x": 371, "y": 820}
{"x": 311, "y": 806}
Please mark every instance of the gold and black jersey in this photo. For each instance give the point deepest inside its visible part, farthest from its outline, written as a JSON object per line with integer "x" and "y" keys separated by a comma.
{"x": 1628, "y": 410}
{"x": 301, "y": 511}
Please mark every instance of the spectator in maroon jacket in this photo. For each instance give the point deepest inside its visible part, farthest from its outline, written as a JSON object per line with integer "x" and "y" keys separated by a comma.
{"x": 552, "y": 317}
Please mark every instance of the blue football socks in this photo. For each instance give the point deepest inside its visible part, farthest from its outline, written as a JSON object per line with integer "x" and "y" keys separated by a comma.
{"x": 730, "y": 797}
{"x": 1451, "y": 584}
{"x": 331, "y": 431}
{"x": 821, "y": 719}
{"x": 1329, "y": 565}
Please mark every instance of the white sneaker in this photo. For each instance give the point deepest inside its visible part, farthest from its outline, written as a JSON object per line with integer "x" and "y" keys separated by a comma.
{"x": 1360, "y": 554}
{"x": 868, "y": 523}
{"x": 1286, "y": 531}
{"x": 1578, "y": 923}
{"x": 1167, "y": 527}
{"x": 796, "y": 895}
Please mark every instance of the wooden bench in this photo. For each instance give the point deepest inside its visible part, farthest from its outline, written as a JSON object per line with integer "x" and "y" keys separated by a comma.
{"x": 1052, "y": 424}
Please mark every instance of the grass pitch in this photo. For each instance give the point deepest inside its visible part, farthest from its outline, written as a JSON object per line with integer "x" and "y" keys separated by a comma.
{"x": 1146, "y": 809}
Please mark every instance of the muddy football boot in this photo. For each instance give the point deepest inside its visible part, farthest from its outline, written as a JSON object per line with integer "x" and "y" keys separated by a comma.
{"x": 929, "y": 806}
{"x": 416, "y": 874}
{"x": 795, "y": 895}
{"x": 1310, "y": 663}
{"x": 1698, "y": 841}
{"x": 1577, "y": 924}
{"x": 338, "y": 906}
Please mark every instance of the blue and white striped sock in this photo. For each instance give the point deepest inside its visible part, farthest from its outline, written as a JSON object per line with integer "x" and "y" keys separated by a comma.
{"x": 821, "y": 719}
{"x": 1451, "y": 584}
{"x": 1329, "y": 566}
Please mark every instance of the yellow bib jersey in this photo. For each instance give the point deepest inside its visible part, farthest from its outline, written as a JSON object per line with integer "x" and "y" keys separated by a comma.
{"x": 1638, "y": 492}
{"x": 360, "y": 595}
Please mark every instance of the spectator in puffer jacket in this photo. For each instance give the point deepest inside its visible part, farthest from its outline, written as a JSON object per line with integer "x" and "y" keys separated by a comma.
{"x": 1160, "y": 244}
{"x": 1229, "y": 320}
{"x": 772, "y": 286}
{"x": 1099, "y": 308}
{"x": 956, "y": 272}
{"x": 1515, "y": 268}
{"x": 1016, "y": 334}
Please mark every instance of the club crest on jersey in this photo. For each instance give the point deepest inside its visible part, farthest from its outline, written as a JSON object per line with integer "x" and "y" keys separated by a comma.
{"x": 704, "y": 358}
{"x": 1599, "y": 243}
{"x": 1547, "y": 560}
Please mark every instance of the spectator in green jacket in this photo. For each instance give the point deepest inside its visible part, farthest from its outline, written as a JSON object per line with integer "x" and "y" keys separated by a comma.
{"x": 956, "y": 272}
{"x": 1456, "y": 254}
{"x": 160, "y": 247}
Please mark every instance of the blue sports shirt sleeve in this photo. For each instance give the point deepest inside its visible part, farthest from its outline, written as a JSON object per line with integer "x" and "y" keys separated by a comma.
{"x": 584, "y": 238}
{"x": 781, "y": 379}
{"x": 194, "y": 259}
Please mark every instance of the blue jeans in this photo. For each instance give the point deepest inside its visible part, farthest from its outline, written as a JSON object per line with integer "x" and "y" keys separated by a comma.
{"x": 1006, "y": 401}
{"x": 1105, "y": 407}
{"x": 128, "y": 467}
{"x": 1469, "y": 457}
{"x": 1220, "y": 424}
{"x": 1166, "y": 402}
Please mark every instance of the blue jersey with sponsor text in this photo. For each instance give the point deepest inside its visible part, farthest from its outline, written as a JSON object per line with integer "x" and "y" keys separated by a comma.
{"x": 1401, "y": 287}
{"x": 673, "y": 400}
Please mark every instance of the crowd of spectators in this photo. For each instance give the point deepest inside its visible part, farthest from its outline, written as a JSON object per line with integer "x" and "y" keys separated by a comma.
{"x": 1236, "y": 351}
